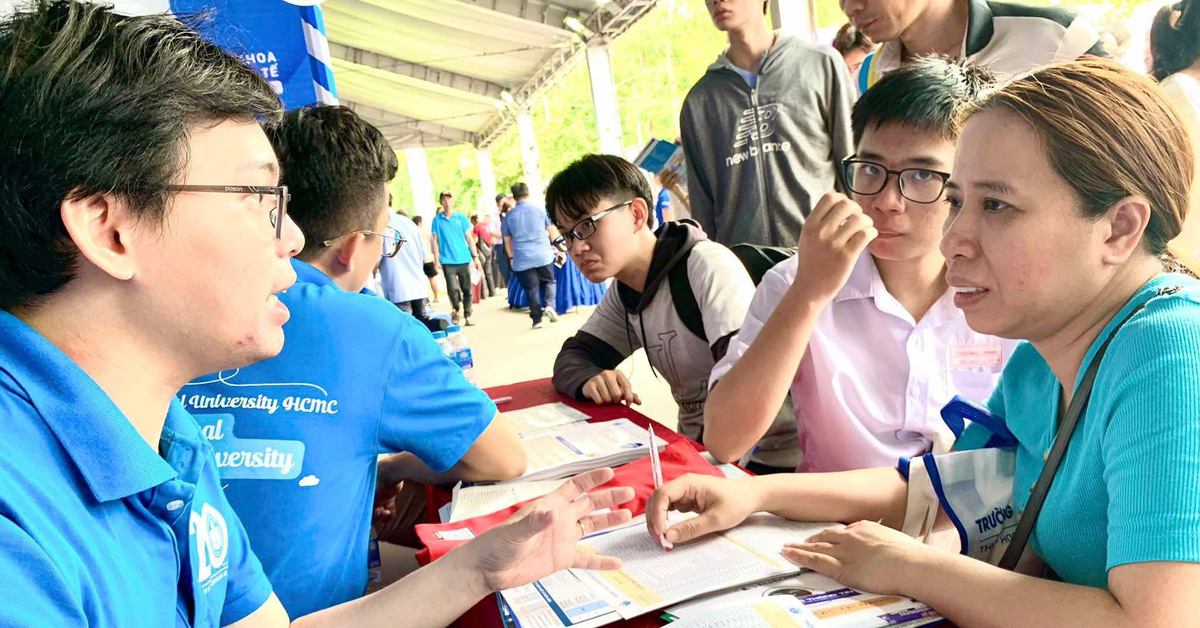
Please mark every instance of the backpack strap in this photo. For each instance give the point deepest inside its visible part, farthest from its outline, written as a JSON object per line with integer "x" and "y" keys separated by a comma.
{"x": 684, "y": 299}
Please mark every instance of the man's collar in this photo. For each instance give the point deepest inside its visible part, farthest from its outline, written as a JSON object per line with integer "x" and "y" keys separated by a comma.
{"x": 112, "y": 457}
{"x": 307, "y": 273}
{"x": 979, "y": 27}
{"x": 864, "y": 281}
{"x": 979, "y": 33}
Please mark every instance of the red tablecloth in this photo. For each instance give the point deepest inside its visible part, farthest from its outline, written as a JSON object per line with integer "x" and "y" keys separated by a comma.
{"x": 486, "y": 614}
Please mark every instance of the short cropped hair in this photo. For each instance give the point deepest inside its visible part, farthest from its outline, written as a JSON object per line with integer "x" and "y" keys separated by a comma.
{"x": 92, "y": 102}
{"x": 581, "y": 186}
{"x": 926, "y": 94}
{"x": 520, "y": 190}
{"x": 336, "y": 166}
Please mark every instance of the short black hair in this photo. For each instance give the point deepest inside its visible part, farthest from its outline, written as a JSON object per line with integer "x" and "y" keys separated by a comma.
{"x": 581, "y": 186}
{"x": 520, "y": 190}
{"x": 848, "y": 38}
{"x": 336, "y": 166}
{"x": 500, "y": 197}
{"x": 444, "y": 195}
{"x": 1174, "y": 38}
{"x": 92, "y": 102}
{"x": 416, "y": 219}
{"x": 925, "y": 94}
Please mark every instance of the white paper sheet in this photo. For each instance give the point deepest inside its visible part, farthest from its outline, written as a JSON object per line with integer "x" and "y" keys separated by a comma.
{"x": 546, "y": 602}
{"x": 653, "y": 578}
{"x": 473, "y": 501}
{"x": 542, "y": 417}
{"x": 765, "y": 613}
{"x": 799, "y": 585}
{"x": 569, "y": 449}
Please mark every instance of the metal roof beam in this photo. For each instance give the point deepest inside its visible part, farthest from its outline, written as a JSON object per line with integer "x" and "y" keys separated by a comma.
{"x": 538, "y": 11}
{"x": 445, "y": 78}
{"x": 401, "y": 128}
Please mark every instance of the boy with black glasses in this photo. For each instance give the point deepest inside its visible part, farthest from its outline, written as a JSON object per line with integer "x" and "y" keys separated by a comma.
{"x": 677, "y": 294}
{"x": 860, "y": 326}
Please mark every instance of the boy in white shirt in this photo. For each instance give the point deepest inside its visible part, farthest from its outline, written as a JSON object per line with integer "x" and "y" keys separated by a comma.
{"x": 860, "y": 326}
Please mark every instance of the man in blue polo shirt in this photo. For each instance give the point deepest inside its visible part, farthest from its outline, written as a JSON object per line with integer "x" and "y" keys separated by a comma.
{"x": 145, "y": 239}
{"x": 527, "y": 235}
{"x": 297, "y": 437}
{"x": 453, "y": 244}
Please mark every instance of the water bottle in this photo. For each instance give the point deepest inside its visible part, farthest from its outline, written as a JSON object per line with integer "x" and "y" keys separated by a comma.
{"x": 440, "y": 338}
{"x": 461, "y": 351}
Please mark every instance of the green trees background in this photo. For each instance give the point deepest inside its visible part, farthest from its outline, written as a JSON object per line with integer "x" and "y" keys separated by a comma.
{"x": 654, "y": 64}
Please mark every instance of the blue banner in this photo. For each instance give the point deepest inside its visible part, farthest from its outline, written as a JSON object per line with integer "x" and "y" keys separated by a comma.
{"x": 276, "y": 38}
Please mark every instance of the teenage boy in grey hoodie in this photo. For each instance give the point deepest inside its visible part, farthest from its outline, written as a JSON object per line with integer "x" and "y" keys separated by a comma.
{"x": 677, "y": 294}
{"x": 764, "y": 130}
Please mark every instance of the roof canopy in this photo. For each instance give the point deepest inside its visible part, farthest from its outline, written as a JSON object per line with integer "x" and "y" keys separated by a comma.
{"x": 441, "y": 72}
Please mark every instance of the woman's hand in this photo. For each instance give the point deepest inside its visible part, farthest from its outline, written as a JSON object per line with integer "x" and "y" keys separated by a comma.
{"x": 864, "y": 555}
{"x": 721, "y": 502}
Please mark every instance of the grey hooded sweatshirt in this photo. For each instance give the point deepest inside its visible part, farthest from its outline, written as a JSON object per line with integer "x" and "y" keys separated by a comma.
{"x": 627, "y": 320}
{"x": 759, "y": 159}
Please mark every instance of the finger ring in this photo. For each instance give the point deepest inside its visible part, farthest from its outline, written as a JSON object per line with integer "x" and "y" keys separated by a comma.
{"x": 582, "y": 532}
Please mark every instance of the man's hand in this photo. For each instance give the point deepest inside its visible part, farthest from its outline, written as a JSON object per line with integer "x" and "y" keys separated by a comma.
{"x": 670, "y": 180}
{"x": 721, "y": 502}
{"x": 542, "y": 538}
{"x": 610, "y": 387}
{"x": 834, "y": 236}
{"x": 385, "y": 503}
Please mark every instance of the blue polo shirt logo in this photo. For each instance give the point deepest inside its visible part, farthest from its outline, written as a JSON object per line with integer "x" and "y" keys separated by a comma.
{"x": 210, "y": 535}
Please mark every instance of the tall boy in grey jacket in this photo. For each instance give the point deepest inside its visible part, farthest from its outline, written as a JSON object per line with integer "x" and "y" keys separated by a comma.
{"x": 764, "y": 130}
{"x": 677, "y": 294}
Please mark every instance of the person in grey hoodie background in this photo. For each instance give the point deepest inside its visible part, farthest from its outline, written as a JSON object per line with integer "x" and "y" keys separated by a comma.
{"x": 677, "y": 294}
{"x": 764, "y": 130}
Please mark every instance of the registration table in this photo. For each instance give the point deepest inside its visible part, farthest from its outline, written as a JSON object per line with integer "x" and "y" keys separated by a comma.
{"x": 486, "y": 614}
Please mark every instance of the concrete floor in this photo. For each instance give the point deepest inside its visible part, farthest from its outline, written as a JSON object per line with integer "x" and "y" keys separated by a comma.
{"x": 508, "y": 350}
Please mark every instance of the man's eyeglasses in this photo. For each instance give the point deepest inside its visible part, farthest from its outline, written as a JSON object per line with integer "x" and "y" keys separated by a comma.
{"x": 391, "y": 240}
{"x": 272, "y": 199}
{"x": 919, "y": 185}
{"x": 583, "y": 229}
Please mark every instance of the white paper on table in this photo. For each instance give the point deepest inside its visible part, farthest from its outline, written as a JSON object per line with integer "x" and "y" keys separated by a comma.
{"x": 543, "y": 416}
{"x": 473, "y": 501}
{"x": 850, "y": 608}
{"x": 569, "y": 449}
{"x": 651, "y": 577}
{"x": 796, "y": 586}
{"x": 544, "y": 603}
{"x": 763, "y": 613}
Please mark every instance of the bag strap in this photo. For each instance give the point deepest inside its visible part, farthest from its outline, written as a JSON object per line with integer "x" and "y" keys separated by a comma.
{"x": 1066, "y": 429}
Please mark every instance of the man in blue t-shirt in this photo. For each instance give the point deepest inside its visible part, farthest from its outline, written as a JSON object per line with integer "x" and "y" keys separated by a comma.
{"x": 453, "y": 244}
{"x": 297, "y": 436}
{"x": 527, "y": 235}
{"x": 146, "y": 239}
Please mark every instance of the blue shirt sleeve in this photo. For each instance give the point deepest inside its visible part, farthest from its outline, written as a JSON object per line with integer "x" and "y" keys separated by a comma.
{"x": 429, "y": 407}
{"x": 248, "y": 586}
{"x": 28, "y": 574}
{"x": 1151, "y": 444}
{"x": 505, "y": 232}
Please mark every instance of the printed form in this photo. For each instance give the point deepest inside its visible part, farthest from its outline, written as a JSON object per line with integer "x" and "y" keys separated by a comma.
{"x": 542, "y": 417}
{"x": 652, "y": 578}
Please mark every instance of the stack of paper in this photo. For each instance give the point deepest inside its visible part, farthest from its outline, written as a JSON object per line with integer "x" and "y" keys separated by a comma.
{"x": 473, "y": 501}
{"x": 563, "y": 451}
{"x": 651, "y": 577}
{"x": 544, "y": 416}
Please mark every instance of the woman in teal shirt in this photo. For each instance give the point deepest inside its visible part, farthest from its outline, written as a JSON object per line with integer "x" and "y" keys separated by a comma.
{"x": 1067, "y": 186}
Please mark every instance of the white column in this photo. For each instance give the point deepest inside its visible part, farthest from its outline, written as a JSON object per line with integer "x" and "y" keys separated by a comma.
{"x": 424, "y": 203}
{"x": 487, "y": 181}
{"x": 796, "y": 16}
{"x": 529, "y": 154}
{"x": 604, "y": 100}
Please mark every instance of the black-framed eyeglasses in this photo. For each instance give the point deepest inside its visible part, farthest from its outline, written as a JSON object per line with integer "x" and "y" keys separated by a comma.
{"x": 919, "y": 185}
{"x": 272, "y": 198}
{"x": 583, "y": 229}
{"x": 390, "y": 237}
